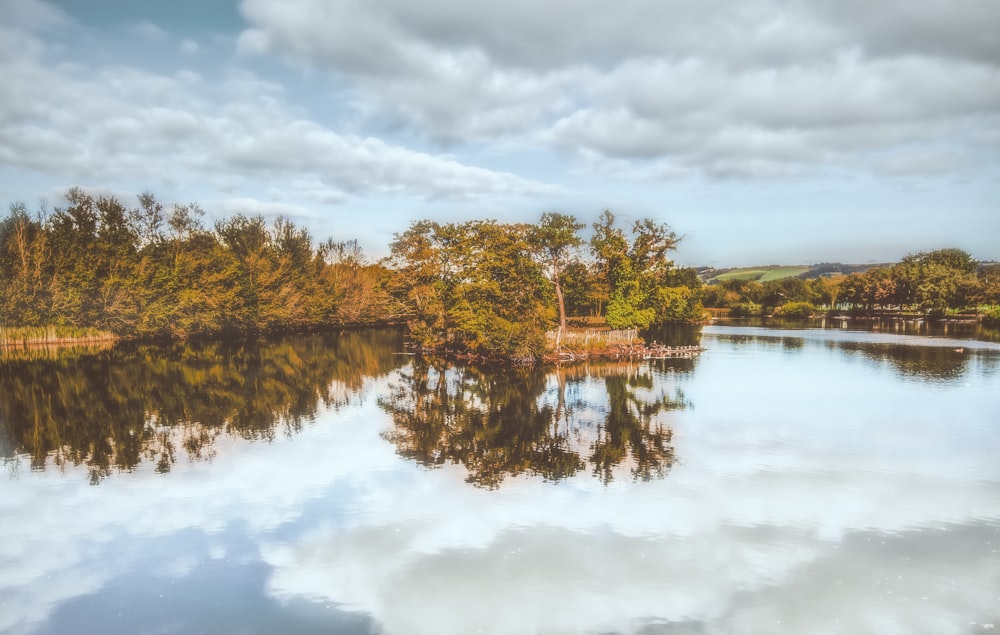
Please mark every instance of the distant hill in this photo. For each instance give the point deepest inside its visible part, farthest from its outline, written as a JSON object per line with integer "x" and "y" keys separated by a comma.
{"x": 776, "y": 272}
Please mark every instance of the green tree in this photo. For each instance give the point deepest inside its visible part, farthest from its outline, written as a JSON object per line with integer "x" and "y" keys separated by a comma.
{"x": 555, "y": 237}
{"x": 474, "y": 285}
{"x": 585, "y": 292}
{"x": 614, "y": 256}
{"x": 935, "y": 281}
{"x": 644, "y": 285}
{"x": 988, "y": 291}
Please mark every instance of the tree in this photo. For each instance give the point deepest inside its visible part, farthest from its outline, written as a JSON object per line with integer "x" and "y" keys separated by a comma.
{"x": 353, "y": 290}
{"x": 988, "y": 291}
{"x": 639, "y": 274}
{"x": 473, "y": 285}
{"x": 73, "y": 279}
{"x": 555, "y": 237}
{"x": 585, "y": 292}
{"x": 24, "y": 255}
{"x": 422, "y": 277}
{"x": 149, "y": 219}
{"x": 612, "y": 250}
{"x": 936, "y": 280}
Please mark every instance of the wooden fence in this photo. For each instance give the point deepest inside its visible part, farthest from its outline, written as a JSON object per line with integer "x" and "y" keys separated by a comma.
{"x": 595, "y": 337}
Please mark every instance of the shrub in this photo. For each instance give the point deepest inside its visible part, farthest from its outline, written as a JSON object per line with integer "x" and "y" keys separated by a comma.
{"x": 797, "y": 310}
{"x": 991, "y": 315}
{"x": 745, "y": 309}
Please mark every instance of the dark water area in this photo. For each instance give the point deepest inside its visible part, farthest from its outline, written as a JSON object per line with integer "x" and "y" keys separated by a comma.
{"x": 795, "y": 477}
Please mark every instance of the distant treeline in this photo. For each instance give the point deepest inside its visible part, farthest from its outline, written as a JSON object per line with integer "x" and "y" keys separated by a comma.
{"x": 838, "y": 268}
{"x": 495, "y": 288}
{"x": 932, "y": 283}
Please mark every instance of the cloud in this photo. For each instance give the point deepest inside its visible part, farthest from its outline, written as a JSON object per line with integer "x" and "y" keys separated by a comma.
{"x": 765, "y": 90}
{"x": 851, "y": 112}
{"x": 957, "y": 29}
{"x": 32, "y": 14}
{"x": 250, "y": 206}
{"x": 150, "y": 32}
{"x": 127, "y": 124}
{"x": 765, "y": 575}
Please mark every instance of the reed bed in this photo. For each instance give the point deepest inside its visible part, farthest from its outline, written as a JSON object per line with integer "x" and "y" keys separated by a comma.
{"x": 595, "y": 338}
{"x": 29, "y": 336}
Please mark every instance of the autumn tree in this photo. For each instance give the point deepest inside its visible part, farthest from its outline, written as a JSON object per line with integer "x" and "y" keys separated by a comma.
{"x": 473, "y": 285}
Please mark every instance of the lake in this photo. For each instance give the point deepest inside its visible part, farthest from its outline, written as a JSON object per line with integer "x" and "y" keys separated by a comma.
{"x": 843, "y": 479}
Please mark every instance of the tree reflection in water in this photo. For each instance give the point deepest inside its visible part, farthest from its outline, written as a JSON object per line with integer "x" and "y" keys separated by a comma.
{"x": 920, "y": 362}
{"x": 112, "y": 409}
{"x": 115, "y": 408}
{"x": 550, "y": 423}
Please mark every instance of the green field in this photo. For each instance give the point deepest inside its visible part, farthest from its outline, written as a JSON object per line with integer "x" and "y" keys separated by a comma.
{"x": 777, "y": 273}
{"x": 761, "y": 274}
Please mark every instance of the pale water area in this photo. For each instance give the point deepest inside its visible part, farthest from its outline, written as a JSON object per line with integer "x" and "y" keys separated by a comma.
{"x": 787, "y": 480}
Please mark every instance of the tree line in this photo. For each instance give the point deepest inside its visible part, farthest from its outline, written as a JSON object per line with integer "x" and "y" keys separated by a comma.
{"x": 490, "y": 287}
{"x": 932, "y": 283}
{"x": 148, "y": 272}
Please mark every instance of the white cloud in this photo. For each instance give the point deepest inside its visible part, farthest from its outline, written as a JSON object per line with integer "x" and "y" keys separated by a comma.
{"x": 250, "y": 206}
{"x": 32, "y": 14}
{"x": 759, "y": 91}
{"x": 131, "y": 125}
{"x": 844, "y": 115}
{"x": 150, "y": 32}
{"x": 578, "y": 105}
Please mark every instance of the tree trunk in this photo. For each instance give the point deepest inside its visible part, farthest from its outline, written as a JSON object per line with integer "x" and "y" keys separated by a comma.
{"x": 562, "y": 312}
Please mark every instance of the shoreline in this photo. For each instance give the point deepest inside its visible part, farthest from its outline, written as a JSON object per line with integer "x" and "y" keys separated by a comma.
{"x": 626, "y": 351}
{"x": 25, "y": 338}
{"x": 612, "y": 352}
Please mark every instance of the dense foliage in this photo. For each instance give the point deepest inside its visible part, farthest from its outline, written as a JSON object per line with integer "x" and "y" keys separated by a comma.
{"x": 473, "y": 285}
{"x": 490, "y": 288}
{"x": 641, "y": 283}
{"x": 932, "y": 283}
{"x": 496, "y": 289}
{"x": 151, "y": 273}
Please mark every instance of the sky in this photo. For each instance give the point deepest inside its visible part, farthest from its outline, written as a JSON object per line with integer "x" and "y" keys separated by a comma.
{"x": 768, "y": 131}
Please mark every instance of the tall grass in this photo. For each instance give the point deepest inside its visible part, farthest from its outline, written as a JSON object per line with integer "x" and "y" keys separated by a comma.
{"x": 594, "y": 338}
{"x": 51, "y": 335}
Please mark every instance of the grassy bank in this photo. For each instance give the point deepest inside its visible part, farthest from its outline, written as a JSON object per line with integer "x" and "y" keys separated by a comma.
{"x": 24, "y": 336}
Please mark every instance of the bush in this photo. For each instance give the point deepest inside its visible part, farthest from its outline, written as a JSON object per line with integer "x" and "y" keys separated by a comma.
{"x": 798, "y": 310}
{"x": 621, "y": 314}
{"x": 991, "y": 315}
{"x": 745, "y": 309}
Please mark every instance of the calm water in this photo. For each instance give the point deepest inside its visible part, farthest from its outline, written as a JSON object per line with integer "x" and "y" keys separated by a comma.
{"x": 788, "y": 480}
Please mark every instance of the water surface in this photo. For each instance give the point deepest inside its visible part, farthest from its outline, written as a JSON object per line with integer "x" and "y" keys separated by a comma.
{"x": 787, "y": 480}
